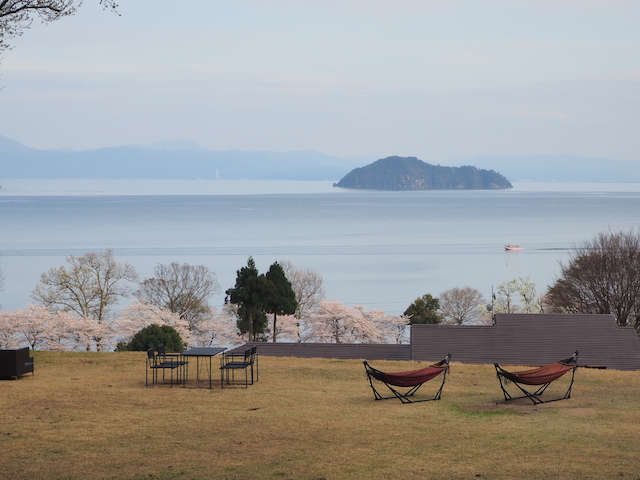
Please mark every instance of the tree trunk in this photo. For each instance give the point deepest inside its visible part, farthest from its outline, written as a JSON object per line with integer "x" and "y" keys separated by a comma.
{"x": 275, "y": 319}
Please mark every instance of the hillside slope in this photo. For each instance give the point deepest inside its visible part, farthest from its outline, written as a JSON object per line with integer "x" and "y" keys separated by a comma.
{"x": 410, "y": 173}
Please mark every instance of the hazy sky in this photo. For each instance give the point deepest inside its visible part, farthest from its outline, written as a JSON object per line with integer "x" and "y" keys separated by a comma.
{"x": 433, "y": 79}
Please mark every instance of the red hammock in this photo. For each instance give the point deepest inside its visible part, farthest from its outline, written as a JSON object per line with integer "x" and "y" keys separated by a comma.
{"x": 540, "y": 377}
{"x": 412, "y": 380}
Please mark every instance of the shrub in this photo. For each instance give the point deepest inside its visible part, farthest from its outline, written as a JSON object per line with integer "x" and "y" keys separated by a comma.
{"x": 154, "y": 335}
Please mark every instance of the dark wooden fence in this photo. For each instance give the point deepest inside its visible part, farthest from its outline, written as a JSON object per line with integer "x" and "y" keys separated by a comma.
{"x": 531, "y": 339}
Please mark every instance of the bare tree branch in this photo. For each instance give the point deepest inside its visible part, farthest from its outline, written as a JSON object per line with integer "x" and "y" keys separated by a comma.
{"x": 90, "y": 285}
{"x": 16, "y": 16}
{"x": 308, "y": 288}
{"x": 601, "y": 276}
{"x": 459, "y": 306}
{"x": 182, "y": 289}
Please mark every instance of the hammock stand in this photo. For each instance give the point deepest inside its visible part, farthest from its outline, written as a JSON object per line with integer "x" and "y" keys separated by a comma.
{"x": 540, "y": 377}
{"x": 412, "y": 380}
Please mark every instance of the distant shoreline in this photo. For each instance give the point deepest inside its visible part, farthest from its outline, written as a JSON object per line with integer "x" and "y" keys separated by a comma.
{"x": 128, "y": 187}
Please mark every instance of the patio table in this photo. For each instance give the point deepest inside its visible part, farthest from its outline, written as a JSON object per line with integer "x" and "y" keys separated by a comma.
{"x": 203, "y": 352}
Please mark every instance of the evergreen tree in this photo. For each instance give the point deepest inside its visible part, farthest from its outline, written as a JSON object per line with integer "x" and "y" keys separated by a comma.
{"x": 280, "y": 299}
{"x": 248, "y": 294}
{"x": 258, "y": 321}
{"x": 423, "y": 310}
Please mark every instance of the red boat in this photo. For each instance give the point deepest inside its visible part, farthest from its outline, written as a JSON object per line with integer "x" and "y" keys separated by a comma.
{"x": 512, "y": 247}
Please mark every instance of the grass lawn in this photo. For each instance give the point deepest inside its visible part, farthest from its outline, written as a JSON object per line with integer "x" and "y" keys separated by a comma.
{"x": 89, "y": 415}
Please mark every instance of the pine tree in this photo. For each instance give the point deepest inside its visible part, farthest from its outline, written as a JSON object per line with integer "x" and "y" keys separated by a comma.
{"x": 280, "y": 299}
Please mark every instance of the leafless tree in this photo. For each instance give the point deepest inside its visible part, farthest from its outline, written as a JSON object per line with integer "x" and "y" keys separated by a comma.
{"x": 181, "y": 289}
{"x": 89, "y": 287}
{"x": 460, "y": 305}
{"x": 602, "y": 276}
{"x": 307, "y": 285}
{"x": 16, "y": 16}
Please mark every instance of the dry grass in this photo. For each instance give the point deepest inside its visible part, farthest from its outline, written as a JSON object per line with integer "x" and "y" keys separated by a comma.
{"x": 89, "y": 415}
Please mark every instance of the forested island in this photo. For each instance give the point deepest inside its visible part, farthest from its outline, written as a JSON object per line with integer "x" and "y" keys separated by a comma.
{"x": 410, "y": 173}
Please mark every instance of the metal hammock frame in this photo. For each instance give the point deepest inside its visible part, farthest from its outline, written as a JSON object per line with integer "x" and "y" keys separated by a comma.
{"x": 405, "y": 397}
{"x": 505, "y": 377}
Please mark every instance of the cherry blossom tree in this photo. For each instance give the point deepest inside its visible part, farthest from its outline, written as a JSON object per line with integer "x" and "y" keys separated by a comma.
{"x": 517, "y": 295}
{"x": 90, "y": 286}
{"x": 288, "y": 328}
{"x": 32, "y": 325}
{"x": 393, "y": 328}
{"x": 87, "y": 331}
{"x": 484, "y": 315}
{"x": 138, "y": 315}
{"x": 61, "y": 331}
{"x": 218, "y": 328}
{"x": 8, "y": 332}
{"x": 334, "y": 322}
{"x": 44, "y": 329}
{"x": 1, "y": 281}
{"x": 398, "y": 328}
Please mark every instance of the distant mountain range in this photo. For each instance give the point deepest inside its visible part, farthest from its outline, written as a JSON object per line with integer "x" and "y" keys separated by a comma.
{"x": 410, "y": 173}
{"x": 557, "y": 168}
{"x": 184, "y": 159}
{"x": 175, "y": 159}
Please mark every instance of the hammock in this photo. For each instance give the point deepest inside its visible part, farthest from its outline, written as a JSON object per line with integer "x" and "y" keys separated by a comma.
{"x": 412, "y": 380}
{"x": 542, "y": 377}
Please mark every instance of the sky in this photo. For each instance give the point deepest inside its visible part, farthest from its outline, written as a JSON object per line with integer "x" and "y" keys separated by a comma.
{"x": 434, "y": 79}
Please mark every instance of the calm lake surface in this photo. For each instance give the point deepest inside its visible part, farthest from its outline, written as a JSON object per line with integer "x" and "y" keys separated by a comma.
{"x": 377, "y": 249}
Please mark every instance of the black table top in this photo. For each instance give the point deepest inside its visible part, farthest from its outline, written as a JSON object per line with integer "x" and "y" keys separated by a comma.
{"x": 204, "y": 351}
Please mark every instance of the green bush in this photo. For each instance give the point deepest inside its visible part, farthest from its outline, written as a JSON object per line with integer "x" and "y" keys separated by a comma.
{"x": 151, "y": 337}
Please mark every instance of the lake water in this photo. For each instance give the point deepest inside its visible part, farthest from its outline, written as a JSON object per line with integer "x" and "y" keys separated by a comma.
{"x": 377, "y": 249}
